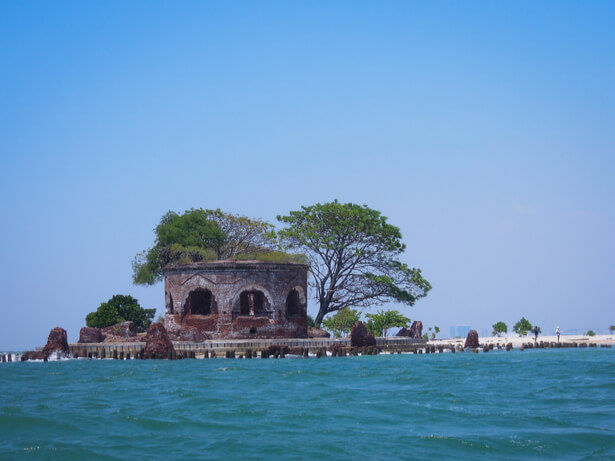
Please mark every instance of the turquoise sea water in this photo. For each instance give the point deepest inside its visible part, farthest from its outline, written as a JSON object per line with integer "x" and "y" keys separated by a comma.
{"x": 538, "y": 404}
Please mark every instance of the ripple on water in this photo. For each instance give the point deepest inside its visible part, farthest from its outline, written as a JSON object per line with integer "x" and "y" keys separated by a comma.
{"x": 546, "y": 404}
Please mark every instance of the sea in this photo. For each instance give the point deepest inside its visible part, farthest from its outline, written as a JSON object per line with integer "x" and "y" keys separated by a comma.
{"x": 532, "y": 404}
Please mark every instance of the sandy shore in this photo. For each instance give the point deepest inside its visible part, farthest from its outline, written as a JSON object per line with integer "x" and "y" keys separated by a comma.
{"x": 518, "y": 341}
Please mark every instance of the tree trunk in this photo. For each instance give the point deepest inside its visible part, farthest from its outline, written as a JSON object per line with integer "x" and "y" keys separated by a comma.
{"x": 319, "y": 317}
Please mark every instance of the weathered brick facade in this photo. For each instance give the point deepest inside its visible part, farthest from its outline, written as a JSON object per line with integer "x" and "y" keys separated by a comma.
{"x": 238, "y": 299}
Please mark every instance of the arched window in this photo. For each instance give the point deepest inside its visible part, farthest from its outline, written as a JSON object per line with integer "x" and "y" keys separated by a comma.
{"x": 293, "y": 304}
{"x": 169, "y": 303}
{"x": 199, "y": 302}
{"x": 252, "y": 303}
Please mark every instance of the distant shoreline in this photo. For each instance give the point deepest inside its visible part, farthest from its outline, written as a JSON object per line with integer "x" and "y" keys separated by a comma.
{"x": 518, "y": 341}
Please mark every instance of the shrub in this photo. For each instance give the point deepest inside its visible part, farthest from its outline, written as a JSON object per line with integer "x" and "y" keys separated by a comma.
{"x": 273, "y": 257}
{"x": 118, "y": 309}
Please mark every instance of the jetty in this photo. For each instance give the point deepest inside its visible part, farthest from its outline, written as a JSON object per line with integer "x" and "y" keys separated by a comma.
{"x": 254, "y": 348}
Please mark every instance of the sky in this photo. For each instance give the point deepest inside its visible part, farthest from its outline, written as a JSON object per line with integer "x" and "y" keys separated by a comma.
{"x": 484, "y": 130}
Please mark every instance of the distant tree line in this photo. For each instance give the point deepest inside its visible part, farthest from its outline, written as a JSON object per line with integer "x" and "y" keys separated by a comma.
{"x": 379, "y": 324}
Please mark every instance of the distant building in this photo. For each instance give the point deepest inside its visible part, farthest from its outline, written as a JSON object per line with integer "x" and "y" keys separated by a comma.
{"x": 461, "y": 331}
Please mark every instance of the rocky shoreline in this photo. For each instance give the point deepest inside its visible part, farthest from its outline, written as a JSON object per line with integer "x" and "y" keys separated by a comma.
{"x": 121, "y": 342}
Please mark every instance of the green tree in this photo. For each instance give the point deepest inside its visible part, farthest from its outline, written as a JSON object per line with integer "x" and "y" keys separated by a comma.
{"x": 105, "y": 316}
{"x": 431, "y": 333}
{"x": 499, "y": 328}
{"x": 353, "y": 256}
{"x": 380, "y": 322}
{"x": 189, "y": 236}
{"x": 121, "y": 308}
{"x": 342, "y": 321}
{"x": 612, "y": 328}
{"x": 202, "y": 235}
{"x": 522, "y": 327}
{"x": 591, "y": 333}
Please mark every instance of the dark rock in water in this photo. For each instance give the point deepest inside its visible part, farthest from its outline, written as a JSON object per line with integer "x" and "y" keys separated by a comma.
{"x": 90, "y": 335}
{"x": 33, "y": 355}
{"x": 472, "y": 340}
{"x": 57, "y": 342}
{"x": 416, "y": 329}
{"x": 360, "y": 337}
{"x": 157, "y": 342}
{"x": 404, "y": 332}
{"x": 318, "y": 333}
{"x": 123, "y": 330}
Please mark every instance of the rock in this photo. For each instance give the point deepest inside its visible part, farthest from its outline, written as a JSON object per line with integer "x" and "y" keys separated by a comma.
{"x": 33, "y": 355}
{"x": 318, "y": 333}
{"x": 90, "y": 335}
{"x": 57, "y": 342}
{"x": 472, "y": 340}
{"x": 360, "y": 337}
{"x": 416, "y": 329}
{"x": 157, "y": 343}
{"x": 123, "y": 330}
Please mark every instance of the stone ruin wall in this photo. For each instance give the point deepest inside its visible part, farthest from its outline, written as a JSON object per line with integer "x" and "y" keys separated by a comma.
{"x": 238, "y": 300}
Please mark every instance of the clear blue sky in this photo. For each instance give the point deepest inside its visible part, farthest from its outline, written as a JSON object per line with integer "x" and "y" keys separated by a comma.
{"x": 484, "y": 130}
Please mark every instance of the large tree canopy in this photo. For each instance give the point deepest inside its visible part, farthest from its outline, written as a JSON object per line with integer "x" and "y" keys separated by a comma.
{"x": 200, "y": 235}
{"x": 353, "y": 255}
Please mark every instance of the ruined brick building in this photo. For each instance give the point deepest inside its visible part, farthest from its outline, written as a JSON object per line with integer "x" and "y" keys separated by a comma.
{"x": 238, "y": 299}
